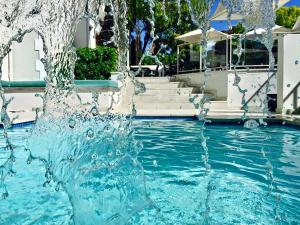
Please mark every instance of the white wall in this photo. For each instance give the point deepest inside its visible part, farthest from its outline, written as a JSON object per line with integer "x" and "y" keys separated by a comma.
{"x": 27, "y": 102}
{"x": 23, "y": 62}
{"x": 220, "y": 83}
{"x": 217, "y": 82}
{"x": 251, "y": 81}
{"x": 20, "y": 63}
{"x": 289, "y": 70}
{"x": 24, "y": 58}
{"x": 85, "y": 37}
{"x": 7, "y": 68}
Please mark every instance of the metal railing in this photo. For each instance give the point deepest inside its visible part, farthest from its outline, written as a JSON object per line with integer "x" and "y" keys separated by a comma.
{"x": 293, "y": 92}
{"x": 259, "y": 89}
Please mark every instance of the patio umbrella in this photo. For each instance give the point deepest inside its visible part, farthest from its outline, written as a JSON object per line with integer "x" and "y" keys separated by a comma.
{"x": 221, "y": 12}
{"x": 275, "y": 30}
{"x": 195, "y": 36}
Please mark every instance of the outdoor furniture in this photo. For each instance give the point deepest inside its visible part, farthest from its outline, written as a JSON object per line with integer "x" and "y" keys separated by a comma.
{"x": 149, "y": 70}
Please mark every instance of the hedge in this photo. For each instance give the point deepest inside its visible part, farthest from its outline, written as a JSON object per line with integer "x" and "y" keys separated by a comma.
{"x": 95, "y": 64}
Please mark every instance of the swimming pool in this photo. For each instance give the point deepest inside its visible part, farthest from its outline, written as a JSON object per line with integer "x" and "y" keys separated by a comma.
{"x": 254, "y": 177}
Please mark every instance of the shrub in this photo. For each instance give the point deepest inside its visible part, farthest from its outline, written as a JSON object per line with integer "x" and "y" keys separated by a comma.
{"x": 287, "y": 16}
{"x": 95, "y": 64}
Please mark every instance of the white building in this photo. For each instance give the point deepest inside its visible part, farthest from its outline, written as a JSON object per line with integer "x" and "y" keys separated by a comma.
{"x": 23, "y": 63}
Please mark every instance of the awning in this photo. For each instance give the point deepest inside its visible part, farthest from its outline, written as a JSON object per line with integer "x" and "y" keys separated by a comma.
{"x": 196, "y": 35}
{"x": 297, "y": 25}
{"x": 275, "y": 30}
{"x": 221, "y": 12}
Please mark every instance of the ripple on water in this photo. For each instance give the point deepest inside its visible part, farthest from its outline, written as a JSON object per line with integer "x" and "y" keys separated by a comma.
{"x": 235, "y": 191}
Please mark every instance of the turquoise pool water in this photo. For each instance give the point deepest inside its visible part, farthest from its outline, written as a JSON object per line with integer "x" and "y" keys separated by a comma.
{"x": 254, "y": 177}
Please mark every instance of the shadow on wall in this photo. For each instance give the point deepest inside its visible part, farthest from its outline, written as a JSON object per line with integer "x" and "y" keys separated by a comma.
{"x": 296, "y": 111}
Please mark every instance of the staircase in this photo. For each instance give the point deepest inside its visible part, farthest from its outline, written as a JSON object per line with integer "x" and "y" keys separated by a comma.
{"x": 164, "y": 97}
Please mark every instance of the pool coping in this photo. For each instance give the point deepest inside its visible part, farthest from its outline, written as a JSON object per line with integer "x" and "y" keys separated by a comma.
{"x": 82, "y": 86}
{"x": 279, "y": 120}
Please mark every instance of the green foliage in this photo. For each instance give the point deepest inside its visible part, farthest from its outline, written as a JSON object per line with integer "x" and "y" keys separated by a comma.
{"x": 238, "y": 29}
{"x": 95, "y": 64}
{"x": 201, "y": 10}
{"x": 137, "y": 10}
{"x": 168, "y": 24}
{"x": 287, "y": 16}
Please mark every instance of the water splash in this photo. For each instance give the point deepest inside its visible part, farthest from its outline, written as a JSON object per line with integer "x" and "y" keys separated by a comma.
{"x": 85, "y": 153}
{"x": 90, "y": 156}
{"x": 200, "y": 11}
{"x": 93, "y": 159}
{"x": 256, "y": 14}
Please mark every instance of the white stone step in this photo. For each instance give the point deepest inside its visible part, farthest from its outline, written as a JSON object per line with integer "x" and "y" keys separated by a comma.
{"x": 164, "y": 91}
{"x": 164, "y": 85}
{"x": 166, "y": 112}
{"x": 163, "y": 98}
{"x": 153, "y": 79}
{"x": 164, "y": 105}
{"x": 218, "y": 105}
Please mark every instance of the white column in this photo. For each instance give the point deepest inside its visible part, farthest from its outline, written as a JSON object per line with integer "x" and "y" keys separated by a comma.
{"x": 200, "y": 58}
{"x": 288, "y": 75}
{"x": 230, "y": 53}
{"x": 177, "y": 59}
{"x": 226, "y": 53}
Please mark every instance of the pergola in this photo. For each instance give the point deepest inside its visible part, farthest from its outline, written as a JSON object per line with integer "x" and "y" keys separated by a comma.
{"x": 260, "y": 31}
{"x": 213, "y": 35}
{"x": 194, "y": 37}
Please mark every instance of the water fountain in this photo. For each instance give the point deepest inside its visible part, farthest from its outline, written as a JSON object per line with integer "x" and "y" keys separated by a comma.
{"x": 90, "y": 156}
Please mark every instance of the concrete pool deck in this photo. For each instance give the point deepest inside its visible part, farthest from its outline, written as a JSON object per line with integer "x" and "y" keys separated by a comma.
{"x": 162, "y": 104}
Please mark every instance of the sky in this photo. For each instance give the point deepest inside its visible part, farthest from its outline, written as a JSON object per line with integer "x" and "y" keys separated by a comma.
{"x": 222, "y": 25}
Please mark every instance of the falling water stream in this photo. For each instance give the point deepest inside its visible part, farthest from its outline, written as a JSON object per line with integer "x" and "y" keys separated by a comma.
{"x": 87, "y": 154}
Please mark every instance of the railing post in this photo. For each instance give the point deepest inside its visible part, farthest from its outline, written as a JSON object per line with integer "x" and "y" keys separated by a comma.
{"x": 295, "y": 100}
{"x": 177, "y": 59}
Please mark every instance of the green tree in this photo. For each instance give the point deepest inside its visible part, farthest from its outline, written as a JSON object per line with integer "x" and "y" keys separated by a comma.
{"x": 168, "y": 25}
{"x": 138, "y": 22}
{"x": 287, "y": 16}
{"x": 238, "y": 29}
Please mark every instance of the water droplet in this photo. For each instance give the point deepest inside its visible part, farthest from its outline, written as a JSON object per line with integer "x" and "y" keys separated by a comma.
{"x": 90, "y": 133}
{"x": 95, "y": 156}
{"x": 5, "y": 195}
{"x": 29, "y": 161}
{"x": 72, "y": 123}
{"x": 57, "y": 188}
{"x": 71, "y": 158}
{"x": 94, "y": 111}
{"x": 251, "y": 124}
